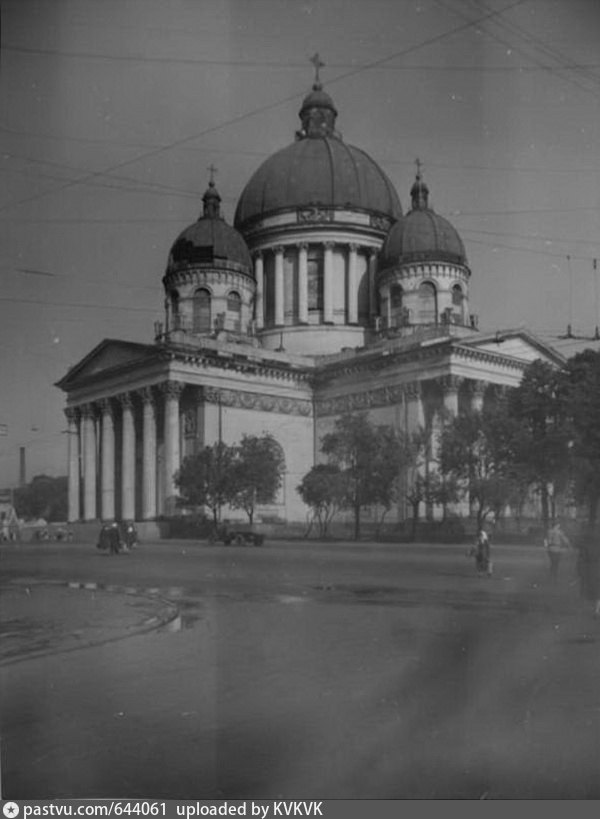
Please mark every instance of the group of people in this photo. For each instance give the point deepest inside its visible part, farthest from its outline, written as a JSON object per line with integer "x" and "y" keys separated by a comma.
{"x": 115, "y": 539}
{"x": 556, "y": 544}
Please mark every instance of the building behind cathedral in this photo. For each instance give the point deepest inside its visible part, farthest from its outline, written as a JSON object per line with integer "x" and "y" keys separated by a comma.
{"x": 323, "y": 298}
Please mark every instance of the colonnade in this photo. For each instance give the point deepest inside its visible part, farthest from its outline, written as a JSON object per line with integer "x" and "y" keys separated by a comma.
{"x": 93, "y": 454}
{"x": 279, "y": 283}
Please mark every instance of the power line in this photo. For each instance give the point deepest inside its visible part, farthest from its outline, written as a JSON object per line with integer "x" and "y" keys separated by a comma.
{"x": 287, "y": 64}
{"x": 268, "y": 107}
{"x": 529, "y": 39}
{"x": 79, "y": 305}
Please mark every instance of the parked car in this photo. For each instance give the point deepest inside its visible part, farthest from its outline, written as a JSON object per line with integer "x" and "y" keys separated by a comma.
{"x": 237, "y": 535}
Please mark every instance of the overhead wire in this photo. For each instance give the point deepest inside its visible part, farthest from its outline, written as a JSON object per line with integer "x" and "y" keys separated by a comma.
{"x": 267, "y": 107}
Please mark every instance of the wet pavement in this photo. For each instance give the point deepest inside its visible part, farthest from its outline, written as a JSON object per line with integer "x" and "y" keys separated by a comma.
{"x": 305, "y": 671}
{"x": 38, "y": 617}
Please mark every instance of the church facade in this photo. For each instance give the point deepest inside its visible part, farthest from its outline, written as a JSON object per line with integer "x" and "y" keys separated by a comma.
{"x": 323, "y": 298}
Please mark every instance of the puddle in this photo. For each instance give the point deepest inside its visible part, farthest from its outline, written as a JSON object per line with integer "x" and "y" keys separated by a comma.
{"x": 583, "y": 639}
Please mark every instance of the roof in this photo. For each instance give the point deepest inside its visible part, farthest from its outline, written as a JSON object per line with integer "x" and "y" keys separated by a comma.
{"x": 209, "y": 239}
{"x": 322, "y": 171}
{"x": 422, "y": 235}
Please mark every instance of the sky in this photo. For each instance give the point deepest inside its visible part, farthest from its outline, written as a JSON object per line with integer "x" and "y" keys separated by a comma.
{"x": 112, "y": 111}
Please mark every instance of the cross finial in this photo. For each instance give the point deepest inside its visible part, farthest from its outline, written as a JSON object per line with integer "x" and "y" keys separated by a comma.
{"x": 419, "y": 165}
{"x": 318, "y": 63}
{"x": 212, "y": 170}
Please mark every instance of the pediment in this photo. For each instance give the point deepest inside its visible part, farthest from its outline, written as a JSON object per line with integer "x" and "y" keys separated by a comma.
{"x": 519, "y": 344}
{"x": 110, "y": 355}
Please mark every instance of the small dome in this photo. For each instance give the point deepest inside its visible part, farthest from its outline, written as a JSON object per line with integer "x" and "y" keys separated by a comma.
{"x": 422, "y": 235}
{"x": 209, "y": 239}
{"x": 317, "y": 98}
{"x": 319, "y": 169}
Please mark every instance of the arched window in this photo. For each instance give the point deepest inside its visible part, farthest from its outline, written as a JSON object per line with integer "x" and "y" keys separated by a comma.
{"x": 234, "y": 303}
{"x": 202, "y": 318}
{"x": 396, "y": 295}
{"x": 427, "y": 303}
{"x": 457, "y": 296}
{"x": 174, "y": 299}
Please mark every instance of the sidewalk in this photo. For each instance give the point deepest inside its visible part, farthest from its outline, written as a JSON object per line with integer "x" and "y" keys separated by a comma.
{"x": 38, "y": 618}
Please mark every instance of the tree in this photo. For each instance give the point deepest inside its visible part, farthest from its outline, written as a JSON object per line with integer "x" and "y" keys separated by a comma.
{"x": 539, "y": 405}
{"x": 207, "y": 478}
{"x": 44, "y": 497}
{"x": 369, "y": 458}
{"x": 257, "y": 472}
{"x": 323, "y": 489}
{"x": 583, "y": 409}
{"x": 477, "y": 451}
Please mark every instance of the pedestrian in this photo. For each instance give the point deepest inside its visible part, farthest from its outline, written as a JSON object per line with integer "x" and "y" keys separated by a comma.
{"x": 483, "y": 563}
{"x": 131, "y": 539}
{"x": 556, "y": 543}
{"x": 114, "y": 539}
{"x": 5, "y": 531}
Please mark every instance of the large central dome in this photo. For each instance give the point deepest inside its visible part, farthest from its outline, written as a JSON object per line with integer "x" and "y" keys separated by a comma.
{"x": 319, "y": 169}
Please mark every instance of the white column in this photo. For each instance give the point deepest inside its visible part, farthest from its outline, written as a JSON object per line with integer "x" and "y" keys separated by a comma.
{"x": 279, "y": 319}
{"x": 89, "y": 462}
{"x": 450, "y": 385}
{"x": 352, "y": 285}
{"x": 303, "y": 283}
{"x": 107, "y": 461}
{"x": 477, "y": 391}
{"x": 172, "y": 390}
{"x": 387, "y": 303}
{"x": 127, "y": 458}
{"x": 416, "y": 416}
{"x": 73, "y": 445}
{"x": 149, "y": 456}
{"x": 259, "y": 273}
{"x": 372, "y": 290}
{"x": 328, "y": 283}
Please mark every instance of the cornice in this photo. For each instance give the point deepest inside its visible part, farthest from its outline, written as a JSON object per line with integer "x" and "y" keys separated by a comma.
{"x": 187, "y": 273}
{"x": 238, "y": 362}
{"x": 194, "y": 274}
{"x": 382, "y": 359}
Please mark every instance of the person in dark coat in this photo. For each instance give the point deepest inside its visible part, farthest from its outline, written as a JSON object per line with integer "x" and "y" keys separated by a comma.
{"x": 483, "y": 563}
{"x": 114, "y": 539}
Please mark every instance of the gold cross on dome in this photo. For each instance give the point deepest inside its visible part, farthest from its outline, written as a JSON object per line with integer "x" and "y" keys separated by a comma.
{"x": 212, "y": 170}
{"x": 318, "y": 63}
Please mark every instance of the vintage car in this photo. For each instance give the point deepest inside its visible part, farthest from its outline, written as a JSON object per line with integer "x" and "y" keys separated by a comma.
{"x": 236, "y": 535}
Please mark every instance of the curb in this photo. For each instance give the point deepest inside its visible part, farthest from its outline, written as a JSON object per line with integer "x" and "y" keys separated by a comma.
{"x": 153, "y": 623}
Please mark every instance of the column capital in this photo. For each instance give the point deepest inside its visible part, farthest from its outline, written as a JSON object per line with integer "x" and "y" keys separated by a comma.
{"x": 477, "y": 387}
{"x": 125, "y": 400}
{"x": 328, "y": 245}
{"x": 147, "y": 395}
{"x": 72, "y": 414}
{"x": 451, "y": 383}
{"x": 373, "y": 252}
{"x": 172, "y": 389}
{"x": 87, "y": 410}
{"x": 278, "y": 249}
{"x": 413, "y": 390}
{"x": 258, "y": 254}
{"x": 302, "y": 245}
{"x": 353, "y": 247}
{"x": 106, "y": 406}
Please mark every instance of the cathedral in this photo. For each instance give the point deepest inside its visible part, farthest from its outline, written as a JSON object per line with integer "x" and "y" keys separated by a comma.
{"x": 323, "y": 298}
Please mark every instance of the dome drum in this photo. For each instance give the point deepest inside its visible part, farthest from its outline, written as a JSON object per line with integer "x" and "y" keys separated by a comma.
{"x": 206, "y": 307}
